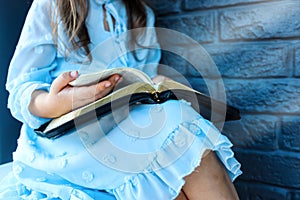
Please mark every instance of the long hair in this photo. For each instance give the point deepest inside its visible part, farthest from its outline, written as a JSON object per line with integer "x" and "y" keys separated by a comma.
{"x": 73, "y": 14}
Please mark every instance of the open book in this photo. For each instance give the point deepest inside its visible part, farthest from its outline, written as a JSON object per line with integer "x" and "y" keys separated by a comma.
{"x": 136, "y": 88}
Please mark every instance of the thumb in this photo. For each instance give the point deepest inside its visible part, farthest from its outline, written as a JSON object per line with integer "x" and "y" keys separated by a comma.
{"x": 62, "y": 81}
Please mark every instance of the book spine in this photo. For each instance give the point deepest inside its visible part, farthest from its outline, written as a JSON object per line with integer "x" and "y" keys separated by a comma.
{"x": 156, "y": 97}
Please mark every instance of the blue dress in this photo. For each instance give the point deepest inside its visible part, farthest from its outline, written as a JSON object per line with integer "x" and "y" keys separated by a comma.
{"x": 145, "y": 155}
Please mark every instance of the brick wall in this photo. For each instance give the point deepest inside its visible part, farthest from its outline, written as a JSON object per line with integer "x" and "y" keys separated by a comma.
{"x": 256, "y": 47}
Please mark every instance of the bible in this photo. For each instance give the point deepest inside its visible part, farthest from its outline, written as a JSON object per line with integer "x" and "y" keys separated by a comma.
{"x": 135, "y": 88}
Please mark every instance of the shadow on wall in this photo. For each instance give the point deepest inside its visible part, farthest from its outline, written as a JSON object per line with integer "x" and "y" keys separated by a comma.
{"x": 12, "y": 15}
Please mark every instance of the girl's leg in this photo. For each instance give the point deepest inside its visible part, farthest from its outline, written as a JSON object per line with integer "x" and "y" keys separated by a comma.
{"x": 209, "y": 181}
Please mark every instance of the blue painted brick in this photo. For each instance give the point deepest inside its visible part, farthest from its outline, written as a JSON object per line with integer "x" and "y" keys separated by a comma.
{"x": 290, "y": 134}
{"x": 294, "y": 195}
{"x": 211, "y": 87}
{"x": 258, "y": 191}
{"x": 176, "y": 62}
{"x": 252, "y": 60}
{"x": 202, "y": 4}
{"x": 204, "y": 70}
{"x": 271, "y": 20}
{"x": 276, "y": 168}
{"x": 297, "y": 61}
{"x": 254, "y": 132}
{"x": 200, "y": 27}
{"x": 166, "y": 6}
{"x": 264, "y": 96}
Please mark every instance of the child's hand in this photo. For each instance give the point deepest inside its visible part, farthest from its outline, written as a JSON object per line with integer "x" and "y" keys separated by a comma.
{"x": 159, "y": 78}
{"x": 64, "y": 98}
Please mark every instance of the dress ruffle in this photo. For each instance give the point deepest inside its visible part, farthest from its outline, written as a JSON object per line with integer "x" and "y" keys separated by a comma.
{"x": 167, "y": 174}
{"x": 168, "y": 157}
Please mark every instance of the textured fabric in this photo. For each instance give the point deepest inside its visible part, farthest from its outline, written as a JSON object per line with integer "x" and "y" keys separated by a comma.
{"x": 145, "y": 155}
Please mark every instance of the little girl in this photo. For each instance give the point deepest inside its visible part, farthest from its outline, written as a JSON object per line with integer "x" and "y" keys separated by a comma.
{"x": 56, "y": 45}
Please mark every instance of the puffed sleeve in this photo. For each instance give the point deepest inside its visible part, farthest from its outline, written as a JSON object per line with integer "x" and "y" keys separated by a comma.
{"x": 32, "y": 62}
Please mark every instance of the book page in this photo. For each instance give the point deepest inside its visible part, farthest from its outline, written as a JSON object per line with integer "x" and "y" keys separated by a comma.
{"x": 173, "y": 85}
{"x": 197, "y": 99}
{"x": 139, "y": 87}
{"x": 129, "y": 75}
{"x": 201, "y": 102}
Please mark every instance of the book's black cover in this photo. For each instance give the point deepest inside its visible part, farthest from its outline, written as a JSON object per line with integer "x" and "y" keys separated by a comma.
{"x": 201, "y": 103}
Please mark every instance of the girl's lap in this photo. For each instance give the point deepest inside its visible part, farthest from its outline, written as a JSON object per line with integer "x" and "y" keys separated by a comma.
{"x": 153, "y": 146}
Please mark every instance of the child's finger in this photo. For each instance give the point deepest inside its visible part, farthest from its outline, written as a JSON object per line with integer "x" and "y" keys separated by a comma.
{"x": 62, "y": 81}
{"x": 104, "y": 87}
